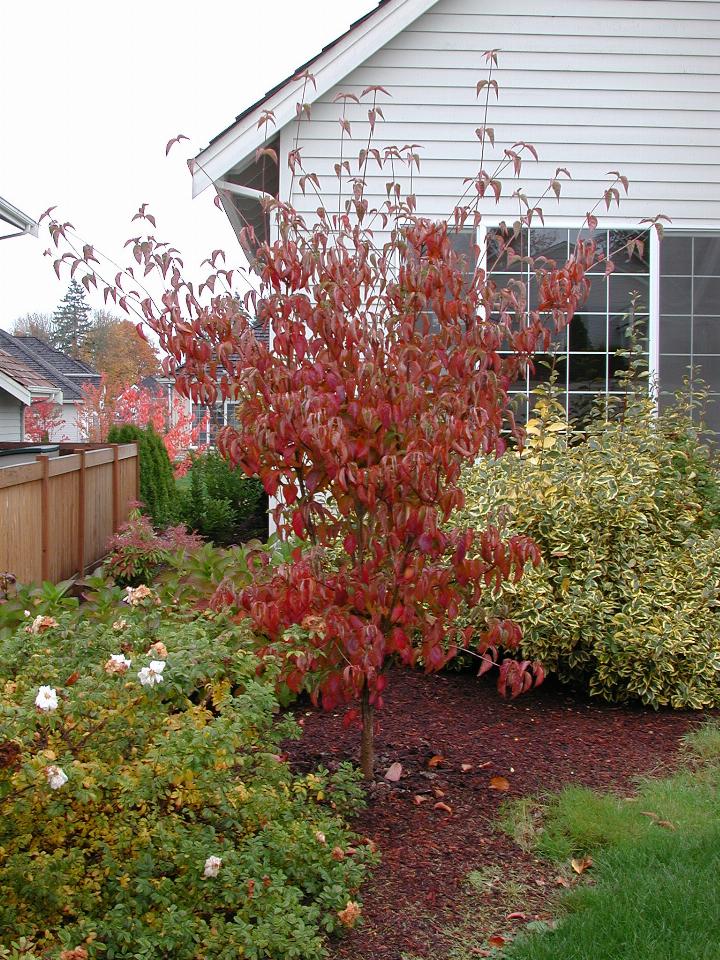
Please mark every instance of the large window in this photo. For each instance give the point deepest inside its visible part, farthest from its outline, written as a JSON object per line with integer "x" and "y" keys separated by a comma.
{"x": 584, "y": 353}
{"x": 689, "y": 328}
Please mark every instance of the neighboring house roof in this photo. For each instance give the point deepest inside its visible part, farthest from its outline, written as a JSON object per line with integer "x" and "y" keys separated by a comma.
{"x": 39, "y": 362}
{"x": 24, "y": 383}
{"x": 17, "y": 219}
{"x": 238, "y": 143}
{"x": 75, "y": 369}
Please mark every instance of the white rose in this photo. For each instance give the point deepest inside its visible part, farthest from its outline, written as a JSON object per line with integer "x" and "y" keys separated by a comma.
{"x": 118, "y": 663}
{"x": 152, "y": 674}
{"x": 212, "y": 866}
{"x": 56, "y": 777}
{"x": 46, "y": 699}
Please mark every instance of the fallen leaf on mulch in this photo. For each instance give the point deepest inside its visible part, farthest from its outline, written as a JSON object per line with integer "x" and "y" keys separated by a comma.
{"x": 435, "y": 761}
{"x": 442, "y": 806}
{"x": 394, "y": 772}
{"x": 581, "y": 865}
{"x": 516, "y": 916}
{"x": 497, "y": 941}
{"x": 499, "y": 783}
{"x": 438, "y": 792}
{"x": 350, "y": 915}
{"x": 418, "y": 799}
{"x": 467, "y": 767}
{"x": 562, "y": 881}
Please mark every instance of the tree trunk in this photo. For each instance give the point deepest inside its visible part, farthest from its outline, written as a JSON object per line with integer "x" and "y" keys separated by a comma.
{"x": 367, "y": 747}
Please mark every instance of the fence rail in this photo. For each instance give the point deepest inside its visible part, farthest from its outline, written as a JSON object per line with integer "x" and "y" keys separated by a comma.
{"x": 58, "y": 513}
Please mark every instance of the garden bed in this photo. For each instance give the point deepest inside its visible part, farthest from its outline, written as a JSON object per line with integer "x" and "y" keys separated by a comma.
{"x": 537, "y": 743}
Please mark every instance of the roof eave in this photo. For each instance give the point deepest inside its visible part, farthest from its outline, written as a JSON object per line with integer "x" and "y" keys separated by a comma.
{"x": 15, "y": 389}
{"x": 239, "y": 143}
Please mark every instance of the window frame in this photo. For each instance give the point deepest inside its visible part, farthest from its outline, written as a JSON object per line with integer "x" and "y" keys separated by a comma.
{"x": 653, "y": 285}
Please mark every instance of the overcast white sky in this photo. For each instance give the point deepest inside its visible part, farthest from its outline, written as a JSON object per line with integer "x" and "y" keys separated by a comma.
{"x": 90, "y": 93}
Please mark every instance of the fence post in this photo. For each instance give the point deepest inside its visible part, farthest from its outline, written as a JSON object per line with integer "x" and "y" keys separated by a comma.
{"x": 137, "y": 472}
{"x": 116, "y": 487}
{"x": 81, "y": 516}
{"x": 44, "y": 461}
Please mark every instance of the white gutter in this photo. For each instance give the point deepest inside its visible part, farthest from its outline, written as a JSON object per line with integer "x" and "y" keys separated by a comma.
{"x": 249, "y": 192}
{"x": 16, "y": 218}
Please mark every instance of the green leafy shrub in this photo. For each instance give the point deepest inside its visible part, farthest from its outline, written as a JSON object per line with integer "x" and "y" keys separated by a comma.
{"x": 626, "y": 598}
{"x": 146, "y": 809}
{"x": 157, "y": 481}
{"x": 221, "y": 503}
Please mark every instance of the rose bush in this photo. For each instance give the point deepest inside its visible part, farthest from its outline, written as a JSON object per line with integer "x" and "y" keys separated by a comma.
{"x": 145, "y": 807}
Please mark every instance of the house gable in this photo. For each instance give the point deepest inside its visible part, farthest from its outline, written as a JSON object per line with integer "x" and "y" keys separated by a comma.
{"x": 235, "y": 147}
{"x": 609, "y": 84}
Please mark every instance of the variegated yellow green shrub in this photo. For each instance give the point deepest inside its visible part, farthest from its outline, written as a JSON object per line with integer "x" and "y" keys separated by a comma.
{"x": 626, "y": 598}
{"x": 145, "y": 807}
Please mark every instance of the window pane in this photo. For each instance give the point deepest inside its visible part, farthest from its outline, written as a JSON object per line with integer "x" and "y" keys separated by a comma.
{"x": 706, "y": 336}
{"x": 580, "y": 406}
{"x": 624, "y": 261}
{"x": 597, "y": 298}
{"x": 707, "y": 256}
{"x": 675, "y": 334}
{"x": 620, "y": 365}
{"x": 622, "y": 290}
{"x": 676, "y": 255}
{"x": 706, "y": 295}
{"x": 544, "y": 365}
{"x": 712, "y": 414}
{"x": 601, "y": 242}
{"x": 552, "y": 244}
{"x": 672, "y": 372}
{"x": 588, "y": 332}
{"x": 587, "y": 371}
{"x": 497, "y": 241}
{"x": 619, "y": 327}
{"x": 676, "y": 294}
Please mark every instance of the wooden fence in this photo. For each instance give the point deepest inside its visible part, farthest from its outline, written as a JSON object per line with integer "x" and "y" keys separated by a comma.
{"x": 58, "y": 513}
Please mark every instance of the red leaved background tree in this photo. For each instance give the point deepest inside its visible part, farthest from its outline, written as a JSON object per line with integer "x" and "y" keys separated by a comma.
{"x": 390, "y": 366}
{"x": 44, "y": 422}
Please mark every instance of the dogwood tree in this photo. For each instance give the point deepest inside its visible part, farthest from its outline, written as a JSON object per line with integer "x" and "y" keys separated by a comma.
{"x": 390, "y": 368}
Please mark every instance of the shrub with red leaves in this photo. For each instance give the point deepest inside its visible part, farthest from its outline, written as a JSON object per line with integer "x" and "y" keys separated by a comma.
{"x": 137, "y": 550}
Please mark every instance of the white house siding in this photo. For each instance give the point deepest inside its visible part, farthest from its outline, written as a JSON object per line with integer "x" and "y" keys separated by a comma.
{"x": 68, "y": 430}
{"x": 632, "y": 85}
{"x": 10, "y": 418}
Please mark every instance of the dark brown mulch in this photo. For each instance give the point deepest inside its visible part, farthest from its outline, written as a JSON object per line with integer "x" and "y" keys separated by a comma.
{"x": 540, "y": 742}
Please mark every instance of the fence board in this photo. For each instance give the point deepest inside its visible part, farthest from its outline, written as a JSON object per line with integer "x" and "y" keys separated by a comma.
{"x": 70, "y": 505}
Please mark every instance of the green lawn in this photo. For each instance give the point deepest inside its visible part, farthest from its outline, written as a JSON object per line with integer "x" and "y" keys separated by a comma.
{"x": 656, "y": 868}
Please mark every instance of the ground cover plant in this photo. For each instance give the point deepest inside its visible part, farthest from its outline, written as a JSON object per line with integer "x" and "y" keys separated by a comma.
{"x": 391, "y": 361}
{"x": 147, "y": 809}
{"x": 624, "y": 513}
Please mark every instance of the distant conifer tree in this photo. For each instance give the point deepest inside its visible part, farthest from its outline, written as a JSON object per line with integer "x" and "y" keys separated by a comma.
{"x": 71, "y": 321}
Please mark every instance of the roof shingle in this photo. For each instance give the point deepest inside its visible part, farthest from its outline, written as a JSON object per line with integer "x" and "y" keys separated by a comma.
{"x": 26, "y": 353}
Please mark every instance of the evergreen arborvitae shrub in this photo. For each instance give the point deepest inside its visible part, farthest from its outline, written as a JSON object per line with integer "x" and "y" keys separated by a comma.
{"x": 157, "y": 482}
